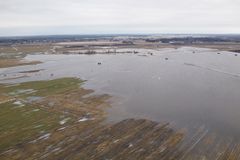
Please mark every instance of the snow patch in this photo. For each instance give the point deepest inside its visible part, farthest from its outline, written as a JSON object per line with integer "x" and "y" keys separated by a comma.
{"x": 36, "y": 110}
{"x": 19, "y": 103}
{"x": 62, "y": 122}
{"x": 130, "y": 145}
{"x": 60, "y": 129}
{"x": 83, "y": 119}
{"x": 43, "y": 137}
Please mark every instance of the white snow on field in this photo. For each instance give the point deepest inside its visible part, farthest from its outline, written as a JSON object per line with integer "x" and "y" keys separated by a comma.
{"x": 19, "y": 103}
{"x": 15, "y": 48}
{"x": 60, "y": 129}
{"x": 62, "y": 122}
{"x": 130, "y": 145}
{"x": 43, "y": 137}
{"x": 83, "y": 119}
{"x": 35, "y": 110}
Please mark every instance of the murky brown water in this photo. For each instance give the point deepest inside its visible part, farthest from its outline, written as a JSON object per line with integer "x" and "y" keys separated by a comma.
{"x": 186, "y": 89}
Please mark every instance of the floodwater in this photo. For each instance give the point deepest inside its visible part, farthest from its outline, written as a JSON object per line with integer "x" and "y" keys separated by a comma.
{"x": 185, "y": 86}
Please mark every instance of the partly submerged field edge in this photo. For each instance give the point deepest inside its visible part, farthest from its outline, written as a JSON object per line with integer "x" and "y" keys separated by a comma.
{"x": 13, "y": 62}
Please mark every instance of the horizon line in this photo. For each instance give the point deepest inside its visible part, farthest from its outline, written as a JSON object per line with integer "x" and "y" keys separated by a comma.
{"x": 114, "y": 34}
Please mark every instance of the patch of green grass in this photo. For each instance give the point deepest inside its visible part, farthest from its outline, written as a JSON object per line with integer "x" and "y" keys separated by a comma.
{"x": 43, "y": 88}
{"x": 18, "y": 124}
{"x": 24, "y": 122}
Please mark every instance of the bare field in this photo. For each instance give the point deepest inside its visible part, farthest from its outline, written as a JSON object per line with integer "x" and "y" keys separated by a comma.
{"x": 26, "y": 48}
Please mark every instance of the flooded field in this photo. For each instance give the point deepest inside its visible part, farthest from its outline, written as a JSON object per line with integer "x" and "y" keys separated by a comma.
{"x": 196, "y": 91}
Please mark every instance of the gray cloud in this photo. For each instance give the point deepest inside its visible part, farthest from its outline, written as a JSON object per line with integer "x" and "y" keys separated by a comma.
{"x": 29, "y": 17}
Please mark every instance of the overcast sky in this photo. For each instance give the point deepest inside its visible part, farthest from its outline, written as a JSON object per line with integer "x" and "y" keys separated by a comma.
{"x": 37, "y": 17}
